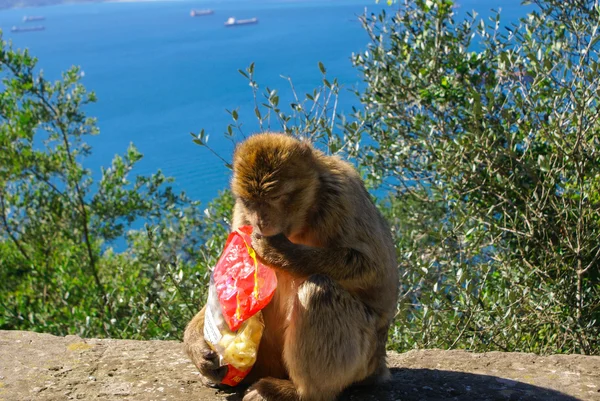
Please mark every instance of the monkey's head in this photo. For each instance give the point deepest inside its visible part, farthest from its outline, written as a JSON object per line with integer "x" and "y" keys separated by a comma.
{"x": 276, "y": 180}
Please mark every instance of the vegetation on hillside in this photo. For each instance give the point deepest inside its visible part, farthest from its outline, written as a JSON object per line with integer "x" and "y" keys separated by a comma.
{"x": 481, "y": 143}
{"x": 58, "y": 272}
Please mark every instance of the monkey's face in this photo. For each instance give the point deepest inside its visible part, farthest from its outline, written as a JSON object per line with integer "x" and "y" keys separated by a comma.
{"x": 268, "y": 215}
{"x": 275, "y": 180}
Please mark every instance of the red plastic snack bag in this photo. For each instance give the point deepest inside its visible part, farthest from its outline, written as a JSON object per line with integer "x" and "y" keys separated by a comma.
{"x": 240, "y": 286}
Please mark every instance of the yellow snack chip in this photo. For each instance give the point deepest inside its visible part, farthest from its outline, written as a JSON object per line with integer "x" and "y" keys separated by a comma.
{"x": 240, "y": 349}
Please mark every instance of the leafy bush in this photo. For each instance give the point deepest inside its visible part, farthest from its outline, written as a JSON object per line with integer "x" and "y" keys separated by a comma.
{"x": 479, "y": 143}
{"x": 59, "y": 272}
{"x": 488, "y": 140}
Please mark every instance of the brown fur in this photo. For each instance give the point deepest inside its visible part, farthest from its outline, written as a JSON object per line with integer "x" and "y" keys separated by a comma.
{"x": 333, "y": 254}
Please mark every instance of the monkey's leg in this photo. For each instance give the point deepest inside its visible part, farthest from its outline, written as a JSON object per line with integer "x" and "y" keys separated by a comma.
{"x": 330, "y": 344}
{"x": 205, "y": 359}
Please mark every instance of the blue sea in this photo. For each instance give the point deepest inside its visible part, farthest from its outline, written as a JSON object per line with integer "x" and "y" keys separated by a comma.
{"x": 160, "y": 74}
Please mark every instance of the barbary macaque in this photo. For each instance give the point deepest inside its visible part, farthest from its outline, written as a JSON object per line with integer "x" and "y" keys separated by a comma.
{"x": 314, "y": 223}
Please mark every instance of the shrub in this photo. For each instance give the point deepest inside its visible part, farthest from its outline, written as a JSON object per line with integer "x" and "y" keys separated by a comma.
{"x": 488, "y": 140}
{"x": 480, "y": 143}
{"x": 58, "y": 228}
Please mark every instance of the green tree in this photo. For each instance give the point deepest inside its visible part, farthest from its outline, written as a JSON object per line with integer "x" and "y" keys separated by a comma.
{"x": 493, "y": 133}
{"x": 481, "y": 145}
{"x": 59, "y": 272}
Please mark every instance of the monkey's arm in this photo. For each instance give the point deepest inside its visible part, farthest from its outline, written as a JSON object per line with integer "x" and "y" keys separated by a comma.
{"x": 301, "y": 260}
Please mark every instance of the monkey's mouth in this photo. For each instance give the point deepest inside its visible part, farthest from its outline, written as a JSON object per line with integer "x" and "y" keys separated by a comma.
{"x": 268, "y": 231}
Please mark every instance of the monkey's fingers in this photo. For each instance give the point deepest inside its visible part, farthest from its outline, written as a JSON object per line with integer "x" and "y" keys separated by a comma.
{"x": 207, "y": 362}
{"x": 278, "y": 241}
{"x": 204, "y": 358}
{"x": 258, "y": 244}
{"x": 209, "y": 354}
{"x": 266, "y": 248}
{"x": 214, "y": 377}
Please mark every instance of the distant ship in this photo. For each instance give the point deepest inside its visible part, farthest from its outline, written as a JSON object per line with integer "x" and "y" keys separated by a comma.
{"x": 200, "y": 13}
{"x": 233, "y": 22}
{"x": 17, "y": 29}
{"x": 33, "y": 18}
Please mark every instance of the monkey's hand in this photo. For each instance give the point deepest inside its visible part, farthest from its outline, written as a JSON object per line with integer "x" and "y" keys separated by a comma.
{"x": 272, "y": 250}
{"x": 207, "y": 362}
{"x": 339, "y": 263}
{"x": 205, "y": 359}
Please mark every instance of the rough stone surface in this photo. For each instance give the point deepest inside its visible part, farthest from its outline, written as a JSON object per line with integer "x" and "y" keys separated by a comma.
{"x": 44, "y": 367}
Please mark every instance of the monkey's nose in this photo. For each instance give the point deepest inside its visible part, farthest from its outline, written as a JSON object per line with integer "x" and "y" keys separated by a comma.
{"x": 260, "y": 224}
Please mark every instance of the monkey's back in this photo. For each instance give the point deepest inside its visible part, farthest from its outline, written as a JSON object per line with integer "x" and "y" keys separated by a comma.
{"x": 347, "y": 217}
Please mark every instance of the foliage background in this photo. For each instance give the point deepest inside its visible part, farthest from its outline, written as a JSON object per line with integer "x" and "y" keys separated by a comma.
{"x": 478, "y": 142}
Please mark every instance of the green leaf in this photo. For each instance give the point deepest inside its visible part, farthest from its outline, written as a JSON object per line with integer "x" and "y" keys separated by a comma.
{"x": 322, "y": 68}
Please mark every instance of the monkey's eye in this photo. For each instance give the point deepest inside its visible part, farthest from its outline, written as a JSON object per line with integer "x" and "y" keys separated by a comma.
{"x": 276, "y": 198}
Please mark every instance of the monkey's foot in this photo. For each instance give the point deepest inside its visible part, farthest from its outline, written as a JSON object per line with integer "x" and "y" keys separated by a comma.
{"x": 270, "y": 389}
{"x": 253, "y": 395}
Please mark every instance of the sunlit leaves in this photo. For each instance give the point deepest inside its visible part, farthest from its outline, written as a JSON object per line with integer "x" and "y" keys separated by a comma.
{"x": 484, "y": 140}
{"x": 59, "y": 222}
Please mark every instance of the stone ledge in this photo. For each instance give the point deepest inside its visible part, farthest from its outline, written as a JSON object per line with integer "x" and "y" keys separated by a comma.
{"x": 44, "y": 367}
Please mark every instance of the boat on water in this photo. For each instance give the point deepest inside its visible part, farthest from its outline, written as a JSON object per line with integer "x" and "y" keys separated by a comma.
{"x": 18, "y": 29}
{"x": 32, "y": 18}
{"x": 234, "y": 22}
{"x": 201, "y": 13}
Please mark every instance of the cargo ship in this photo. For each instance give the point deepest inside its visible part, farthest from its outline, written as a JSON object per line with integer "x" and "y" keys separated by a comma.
{"x": 234, "y": 22}
{"x": 33, "y": 18}
{"x": 18, "y": 29}
{"x": 201, "y": 13}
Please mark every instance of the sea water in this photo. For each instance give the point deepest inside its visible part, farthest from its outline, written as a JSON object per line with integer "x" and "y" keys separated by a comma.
{"x": 160, "y": 74}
